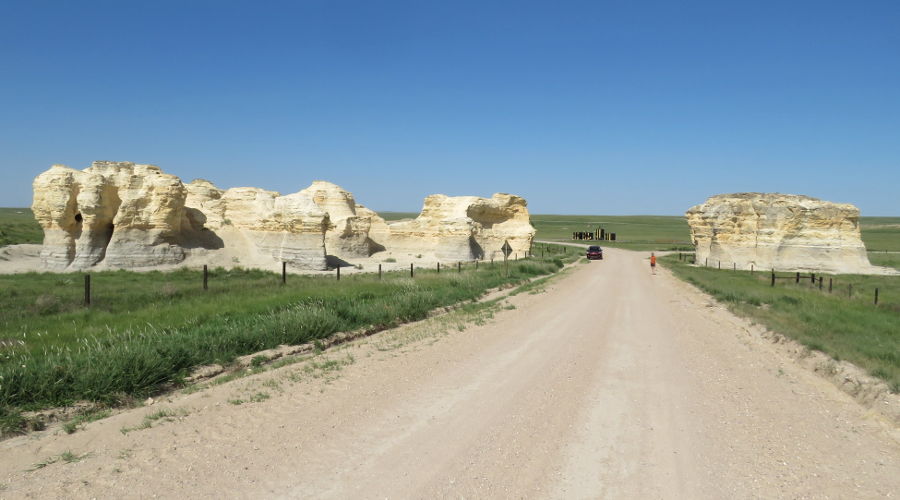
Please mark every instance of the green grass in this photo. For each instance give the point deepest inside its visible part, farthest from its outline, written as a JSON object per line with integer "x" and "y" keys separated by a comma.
{"x": 398, "y": 215}
{"x": 880, "y": 233}
{"x": 885, "y": 259}
{"x": 17, "y": 225}
{"x": 842, "y": 327}
{"x": 148, "y": 330}
{"x": 633, "y": 232}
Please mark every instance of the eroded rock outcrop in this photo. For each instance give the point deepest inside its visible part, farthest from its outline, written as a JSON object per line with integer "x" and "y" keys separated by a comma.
{"x": 784, "y": 232}
{"x": 465, "y": 227}
{"x": 349, "y": 223}
{"x": 127, "y": 215}
{"x": 123, "y": 215}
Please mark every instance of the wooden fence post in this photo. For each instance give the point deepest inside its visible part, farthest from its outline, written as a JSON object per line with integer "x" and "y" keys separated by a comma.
{"x": 734, "y": 266}
{"x": 876, "y": 296}
{"x": 773, "y": 277}
{"x": 439, "y": 268}
{"x": 411, "y": 272}
{"x": 87, "y": 290}
{"x": 205, "y": 277}
{"x": 798, "y": 277}
{"x": 379, "y": 271}
{"x": 338, "y": 273}
{"x": 459, "y": 267}
{"x": 820, "y": 282}
{"x": 283, "y": 273}
{"x": 720, "y": 264}
{"x": 829, "y": 285}
{"x": 812, "y": 278}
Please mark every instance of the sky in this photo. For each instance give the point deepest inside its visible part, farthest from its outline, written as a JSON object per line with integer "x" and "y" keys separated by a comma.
{"x": 594, "y": 107}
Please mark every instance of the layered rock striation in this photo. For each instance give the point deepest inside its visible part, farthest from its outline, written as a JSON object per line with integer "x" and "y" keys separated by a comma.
{"x": 127, "y": 215}
{"x": 349, "y": 223}
{"x": 780, "y": 231}
{"x": 465, "y": 227}
{"x": 123, "y": 214}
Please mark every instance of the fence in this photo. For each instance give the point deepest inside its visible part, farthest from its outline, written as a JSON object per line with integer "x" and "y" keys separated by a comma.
{"x": 813, "y": 279}
{"x": 89, "y": 286}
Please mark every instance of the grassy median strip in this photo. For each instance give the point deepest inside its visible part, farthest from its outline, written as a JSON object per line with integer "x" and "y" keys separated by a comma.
{"x": 142, "y": 341}
{"x": 845, "y": 324}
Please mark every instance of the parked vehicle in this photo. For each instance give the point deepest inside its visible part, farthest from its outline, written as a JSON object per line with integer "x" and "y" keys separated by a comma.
{"x": 594, "y": 252}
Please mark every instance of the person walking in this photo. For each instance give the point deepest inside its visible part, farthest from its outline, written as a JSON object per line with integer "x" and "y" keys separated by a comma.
{"x": 652, "y": 262}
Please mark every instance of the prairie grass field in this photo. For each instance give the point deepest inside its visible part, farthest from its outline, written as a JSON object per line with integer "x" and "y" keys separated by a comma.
{"x": 880, "y": 234}
{"x": 146, "y": 331}
{"x": 633, "y": 232}
{"x": 17, "y": 225}
{"x": 844, "y": 327}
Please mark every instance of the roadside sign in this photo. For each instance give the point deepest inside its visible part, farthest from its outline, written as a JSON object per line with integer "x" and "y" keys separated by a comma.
{"x": 506, "y": 249}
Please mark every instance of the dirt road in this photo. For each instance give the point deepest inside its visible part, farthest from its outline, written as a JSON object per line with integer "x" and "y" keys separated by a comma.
{"x": 612, "y": 383}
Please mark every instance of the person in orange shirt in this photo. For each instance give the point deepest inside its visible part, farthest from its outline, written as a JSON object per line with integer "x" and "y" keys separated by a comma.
{"x": 653, "y": 262}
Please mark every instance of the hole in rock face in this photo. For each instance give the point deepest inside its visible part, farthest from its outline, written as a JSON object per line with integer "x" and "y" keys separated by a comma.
{"x": 78, "y": 218}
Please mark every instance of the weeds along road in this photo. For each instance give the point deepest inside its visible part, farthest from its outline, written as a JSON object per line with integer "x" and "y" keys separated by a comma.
{"x": 611, "y": 384}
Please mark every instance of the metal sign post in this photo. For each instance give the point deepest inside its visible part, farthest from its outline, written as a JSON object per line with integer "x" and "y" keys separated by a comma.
{"x": 506, "y": 249}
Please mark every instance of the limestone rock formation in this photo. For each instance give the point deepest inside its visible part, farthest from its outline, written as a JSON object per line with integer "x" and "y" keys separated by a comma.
{"x": 465, "y": 227}
{"x": 124, "y": 214}
{"x": 349, "y": 224}
{"x": 784, "y": 232}
{"x": 127, "y": 215}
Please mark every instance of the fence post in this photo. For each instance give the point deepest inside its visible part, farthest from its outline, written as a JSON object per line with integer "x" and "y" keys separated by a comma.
{"x": 876, "y": 296}
{"x": 829, "y": 285}
{"x": 706, "y": 264}
{"x": 87, "y": 290}
{"x": 411, "y": 272}
{"x": 205, "y": 277}
{"x": 459, "y": 267}
{"x": 734, "y": 266}
{"x": 812, "y": 278}
{"x": 820, "y": 282}
{"x": 798, "y": 277}
{"x": 720, "y": 264}
{"x": 476, "y": 265}
{"x": 439, "y": 268}
{"x": 379, "y": 271}
{"x": 283, "y": 273}
{"x": 751, "y": 268}
{"x": 338, "y": 273}
{"x": 773, "y": 277}
{"x": 850, "y": 290}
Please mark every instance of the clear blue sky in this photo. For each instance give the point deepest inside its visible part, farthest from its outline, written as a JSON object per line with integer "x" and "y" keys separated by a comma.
{"x": 595, "y": 107}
